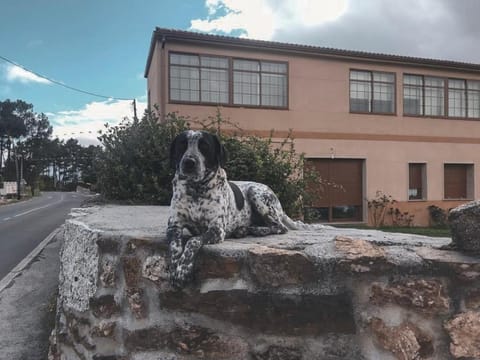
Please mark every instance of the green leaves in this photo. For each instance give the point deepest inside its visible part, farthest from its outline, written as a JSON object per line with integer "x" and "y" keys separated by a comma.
{"x": 134, "y": 165}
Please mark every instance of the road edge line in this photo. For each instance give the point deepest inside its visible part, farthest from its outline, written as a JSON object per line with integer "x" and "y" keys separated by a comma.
{"x": 7, "y": 279}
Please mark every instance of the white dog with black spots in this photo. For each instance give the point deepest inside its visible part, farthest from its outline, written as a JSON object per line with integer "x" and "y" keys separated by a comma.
{"x": 206, "y": 208}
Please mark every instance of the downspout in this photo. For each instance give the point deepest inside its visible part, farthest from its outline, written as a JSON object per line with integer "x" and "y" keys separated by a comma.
{"x": 163, "y": 80}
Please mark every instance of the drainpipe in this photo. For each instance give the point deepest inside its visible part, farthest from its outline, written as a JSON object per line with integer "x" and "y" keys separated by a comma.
{"x": 163, "y": 80}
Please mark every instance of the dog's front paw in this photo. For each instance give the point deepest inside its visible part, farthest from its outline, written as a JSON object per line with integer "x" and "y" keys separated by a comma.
{"x": 180, "y": 276}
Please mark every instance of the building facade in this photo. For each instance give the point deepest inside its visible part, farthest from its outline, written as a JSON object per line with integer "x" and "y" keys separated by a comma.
{"x": 406, "y": 127}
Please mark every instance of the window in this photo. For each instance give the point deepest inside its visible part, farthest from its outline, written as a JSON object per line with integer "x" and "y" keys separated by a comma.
{"x": 195, "y": 78}
{"x": 425, "y": 96}
{"x": 458, "y": 181}
{"x": 211, "y": 80}
{"x": 259, "y": 83}
{"x": 417, "y": 181}
{"x": 463, "y": 98}
{"x": 372, "y": 92}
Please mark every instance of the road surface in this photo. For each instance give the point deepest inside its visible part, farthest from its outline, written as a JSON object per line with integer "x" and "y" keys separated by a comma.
{"x": 25, "y": 224}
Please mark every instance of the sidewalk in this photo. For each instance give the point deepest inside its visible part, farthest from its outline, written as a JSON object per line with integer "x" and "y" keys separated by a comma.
{"x": 27, "y": 307}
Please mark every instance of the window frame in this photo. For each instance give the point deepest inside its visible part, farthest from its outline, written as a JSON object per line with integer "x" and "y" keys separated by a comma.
{"x": 469, "y": 181}
{"x": 446, "y": 96}
{"x": 199, "y": 67}
{"x": 423, "y": 174}
{"x": 230, "y": 72}
{"x": 372, "y": 82}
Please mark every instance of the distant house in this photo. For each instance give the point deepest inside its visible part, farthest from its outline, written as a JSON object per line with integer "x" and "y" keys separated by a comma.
{"x": 408, "y": 127}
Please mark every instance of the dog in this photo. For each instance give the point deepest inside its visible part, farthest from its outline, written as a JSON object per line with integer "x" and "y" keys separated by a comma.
{"x": 206, "y": 208}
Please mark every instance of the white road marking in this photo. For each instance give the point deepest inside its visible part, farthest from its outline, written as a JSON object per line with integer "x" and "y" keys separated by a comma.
{"x": 34, "y": 209}
{"x": 27, "y": 260}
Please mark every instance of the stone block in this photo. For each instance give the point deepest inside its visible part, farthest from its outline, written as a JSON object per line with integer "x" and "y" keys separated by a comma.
{"x": 155, "y": 269}
{"x": 196, "y": 341}
{"x": 214, "y": 265}
{"x": 108, "y": 271}
{"x": 278, "y": 353}
{"x": 271, "y": 267}
{"x": 465, "y": 225}
{"x": 270, "y": 313}
{"x": 360, "y": 256}
{"x": 131, "y": 270}
{"x": 405, "y": 341}
{"x": 464, "y": 332}
{"x": 108, "y": 245}
{"x": 104, "y": 329}
{"x": 472, "y": 299}
{"x": 426, "y": 296}
{"x": 137, "y": 303}
{"x": 104, "y": 306}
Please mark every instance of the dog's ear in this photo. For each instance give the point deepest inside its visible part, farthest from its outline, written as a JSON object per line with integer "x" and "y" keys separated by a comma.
{"x": 220, "y": 151}
{"x": 175, "y": 150}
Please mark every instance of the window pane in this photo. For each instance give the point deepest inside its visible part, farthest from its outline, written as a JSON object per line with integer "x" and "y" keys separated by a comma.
{"x": 433, "y": 81}
{"x": 456, "y": 84}
{"x": 274, "y": 90}
{"x": 416, "y": 174}
{"x": 247, "y": 65}
{"x": 413, "y": 80}
{"x": 360, "y": 75}
{"x": 215, "y": 62}
{"x": 246, "y": 88}
{"x": 456, "y": 103}
{"x": 214, "y": 86}
{"x": 360, "y": 96}
{"x": 383, "y": 77}
{"x": 274, "y": 67}
{"x": 383, "y": 98}
{"x": 184, "y": 83}
{"x": 474, "y": 104}
{"x": 455, "y": 181}
{"x": 473, "y": 84}
{"x": 412, "y": 100}
{"x": 434, "y": 101}
{"x": 182, "y": 59}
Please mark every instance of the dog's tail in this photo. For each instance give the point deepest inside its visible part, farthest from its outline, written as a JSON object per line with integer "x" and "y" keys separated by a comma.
{"x": 300, "y": 225}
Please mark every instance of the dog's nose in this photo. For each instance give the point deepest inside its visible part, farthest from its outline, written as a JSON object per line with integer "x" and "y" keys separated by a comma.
{"x": 188, "y": 164}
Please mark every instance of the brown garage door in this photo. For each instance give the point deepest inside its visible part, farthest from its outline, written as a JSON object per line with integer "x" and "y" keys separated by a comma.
{"x": 339, "y": 196}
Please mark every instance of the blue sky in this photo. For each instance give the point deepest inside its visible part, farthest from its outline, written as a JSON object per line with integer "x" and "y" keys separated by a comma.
{"x": 101, "y": 46}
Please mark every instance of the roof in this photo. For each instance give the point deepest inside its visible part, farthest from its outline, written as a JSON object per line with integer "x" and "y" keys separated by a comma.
{"x": 166, "y": 35}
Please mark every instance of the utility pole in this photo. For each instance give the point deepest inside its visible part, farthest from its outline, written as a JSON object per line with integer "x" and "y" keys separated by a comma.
{"x": 135, "y": 109}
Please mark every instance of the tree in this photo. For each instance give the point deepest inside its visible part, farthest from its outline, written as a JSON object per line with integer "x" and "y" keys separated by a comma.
{"x": 13, "y": 116}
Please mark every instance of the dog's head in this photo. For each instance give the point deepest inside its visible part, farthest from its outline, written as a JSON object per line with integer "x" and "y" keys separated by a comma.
{"x": 196, "y": 154}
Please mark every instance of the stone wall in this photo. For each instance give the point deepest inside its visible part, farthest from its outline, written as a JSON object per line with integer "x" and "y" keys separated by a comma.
{"x": 330, "y": 294}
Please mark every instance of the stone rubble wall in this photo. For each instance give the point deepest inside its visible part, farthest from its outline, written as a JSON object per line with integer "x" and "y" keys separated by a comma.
{"x": 330, "y": 294}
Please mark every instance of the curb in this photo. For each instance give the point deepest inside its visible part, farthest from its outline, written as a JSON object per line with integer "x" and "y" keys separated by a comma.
{"x": 5, "y": 282}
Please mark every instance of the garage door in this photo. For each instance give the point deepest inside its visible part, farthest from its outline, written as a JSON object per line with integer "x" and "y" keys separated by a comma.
{"x": 338, "y": 196}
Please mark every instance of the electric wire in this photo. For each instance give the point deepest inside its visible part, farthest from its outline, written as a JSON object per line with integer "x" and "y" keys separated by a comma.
{"x": 60, "y": 83}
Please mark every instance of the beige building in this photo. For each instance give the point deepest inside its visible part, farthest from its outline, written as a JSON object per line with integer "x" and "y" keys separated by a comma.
{"x": 407, "y": 127}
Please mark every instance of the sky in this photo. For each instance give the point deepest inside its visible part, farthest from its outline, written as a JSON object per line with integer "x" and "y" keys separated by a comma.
{"x": 101, "y": 46}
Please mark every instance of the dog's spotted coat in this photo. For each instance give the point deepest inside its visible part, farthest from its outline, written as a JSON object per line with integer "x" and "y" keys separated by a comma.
{"x": 206, "y": 208}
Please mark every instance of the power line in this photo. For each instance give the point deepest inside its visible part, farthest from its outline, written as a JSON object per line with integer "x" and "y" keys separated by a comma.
{"x": 61, "y": 84}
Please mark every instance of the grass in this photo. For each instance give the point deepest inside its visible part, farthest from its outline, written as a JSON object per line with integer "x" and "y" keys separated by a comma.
{"x": 426, "y": 231}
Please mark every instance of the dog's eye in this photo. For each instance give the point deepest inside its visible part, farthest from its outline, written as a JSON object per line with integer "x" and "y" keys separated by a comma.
{"x": 182, "y": 145}
{"x": 203, "y": 146}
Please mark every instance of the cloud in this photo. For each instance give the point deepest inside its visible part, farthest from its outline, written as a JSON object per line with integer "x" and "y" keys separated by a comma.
{"x": 84, "y": 124}
{"x": 440, "y": 29}
{"x": 15, "y": 73}
{"x": 260, "y": 19}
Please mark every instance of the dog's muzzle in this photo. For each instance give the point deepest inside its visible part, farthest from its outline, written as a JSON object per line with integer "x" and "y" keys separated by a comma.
{"x": 188, "y": 166}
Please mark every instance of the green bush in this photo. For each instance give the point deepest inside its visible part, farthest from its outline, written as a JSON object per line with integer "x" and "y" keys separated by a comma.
{"x": 134, "y": 165}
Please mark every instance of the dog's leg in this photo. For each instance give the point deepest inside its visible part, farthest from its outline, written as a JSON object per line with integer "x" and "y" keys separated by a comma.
{"x": 183, "y": 270}
{"x": 267, "y": 207}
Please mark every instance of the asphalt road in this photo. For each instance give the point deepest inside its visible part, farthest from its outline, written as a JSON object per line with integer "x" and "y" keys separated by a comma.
{"x": 25, "y": 224}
